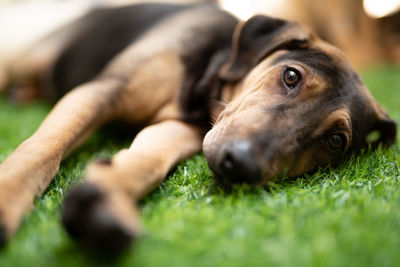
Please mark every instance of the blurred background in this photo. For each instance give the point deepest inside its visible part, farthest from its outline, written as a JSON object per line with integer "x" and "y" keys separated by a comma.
{"x": 367, "y": 30}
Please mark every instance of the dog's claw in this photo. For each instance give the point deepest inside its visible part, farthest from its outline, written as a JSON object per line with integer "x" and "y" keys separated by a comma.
{"x": 88, "y": 218}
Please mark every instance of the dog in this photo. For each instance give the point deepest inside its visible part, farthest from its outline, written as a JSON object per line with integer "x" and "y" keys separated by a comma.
{"x": 263, "y": 98}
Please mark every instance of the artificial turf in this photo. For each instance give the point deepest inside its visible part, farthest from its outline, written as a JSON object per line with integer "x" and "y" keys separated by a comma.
{"x": 348, "y": 216}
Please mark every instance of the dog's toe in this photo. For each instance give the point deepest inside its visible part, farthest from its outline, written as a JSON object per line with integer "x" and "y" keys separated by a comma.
{"x": 89, "y": 218}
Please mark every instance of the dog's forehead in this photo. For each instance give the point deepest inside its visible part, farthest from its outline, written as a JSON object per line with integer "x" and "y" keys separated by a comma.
{"x": 330, "y": 66}
{"x": 318, "y": 61}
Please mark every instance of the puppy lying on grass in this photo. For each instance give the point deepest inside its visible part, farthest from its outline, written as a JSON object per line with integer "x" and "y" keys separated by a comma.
{"x": 281, "y": 101}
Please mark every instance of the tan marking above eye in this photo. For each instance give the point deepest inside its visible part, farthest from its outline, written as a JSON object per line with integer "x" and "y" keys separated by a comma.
{"x": 339, "y": 119}
{"x": 313, "y": 84}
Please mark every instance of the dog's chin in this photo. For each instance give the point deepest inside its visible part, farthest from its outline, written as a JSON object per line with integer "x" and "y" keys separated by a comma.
{"x": 221, "y": 181}
{"x": 224, "y": 182}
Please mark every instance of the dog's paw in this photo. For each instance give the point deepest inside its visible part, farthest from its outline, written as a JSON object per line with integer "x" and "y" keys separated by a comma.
{"x": 100, "y": 222}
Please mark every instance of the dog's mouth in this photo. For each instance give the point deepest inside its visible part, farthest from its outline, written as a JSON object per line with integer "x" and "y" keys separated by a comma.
{"x": 228, "y": 182}
{"x": 239, "y": 177}
{"x": 230, "y": 175}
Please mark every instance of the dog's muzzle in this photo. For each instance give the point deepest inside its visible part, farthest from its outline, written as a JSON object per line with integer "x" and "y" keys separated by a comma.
{"x": 235, "y": 163}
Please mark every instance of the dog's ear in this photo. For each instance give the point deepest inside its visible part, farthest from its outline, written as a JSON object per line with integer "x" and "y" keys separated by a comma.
{"x": 388, "y": 130}
{"x": 258, "y": 37}
{"x": 383, "y": 130}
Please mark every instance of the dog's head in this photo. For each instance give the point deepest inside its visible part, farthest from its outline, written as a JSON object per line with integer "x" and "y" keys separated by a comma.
{"x": 298, "y": 105}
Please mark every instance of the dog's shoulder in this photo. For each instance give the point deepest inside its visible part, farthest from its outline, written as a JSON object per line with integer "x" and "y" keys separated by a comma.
{"x": 98, "y": 37}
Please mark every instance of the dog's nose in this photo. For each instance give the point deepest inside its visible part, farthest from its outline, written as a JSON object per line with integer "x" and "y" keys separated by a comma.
{"x": 237, "y": 164}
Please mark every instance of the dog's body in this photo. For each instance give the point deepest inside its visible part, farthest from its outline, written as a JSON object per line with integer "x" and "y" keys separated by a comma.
{"x": 290, "y": 99}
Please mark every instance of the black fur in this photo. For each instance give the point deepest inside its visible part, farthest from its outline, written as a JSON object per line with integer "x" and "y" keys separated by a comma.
{"x": 203, "y": 62}
{"x": 105, "y": 33}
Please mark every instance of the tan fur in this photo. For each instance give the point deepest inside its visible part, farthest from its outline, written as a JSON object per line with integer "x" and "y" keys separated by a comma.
{"x": 303, "y": 164}
{"x": 42, "y": 153}
{"x": 339, "y": 119}
{"x": 152, "y": 86}
{"x": 136, "y": 171}
{"x": 245, "y": 96}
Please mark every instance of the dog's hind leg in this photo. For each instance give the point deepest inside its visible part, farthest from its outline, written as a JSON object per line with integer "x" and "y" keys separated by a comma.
{"x": 27, "y": 172}
{"x": 100, "y": 214}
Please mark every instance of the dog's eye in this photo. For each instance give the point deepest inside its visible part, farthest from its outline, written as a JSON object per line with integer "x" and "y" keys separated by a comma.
{"x": 291, "y": 77}
{"x": 336, "y": 142}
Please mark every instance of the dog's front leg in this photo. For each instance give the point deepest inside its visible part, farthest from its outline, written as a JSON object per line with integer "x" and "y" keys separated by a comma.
{"x": 101, "y": 214}
{"x": 29, "y": 169}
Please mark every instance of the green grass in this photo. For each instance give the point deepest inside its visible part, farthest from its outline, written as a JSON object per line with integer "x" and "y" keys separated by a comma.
{"x": 348, "y": 216}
